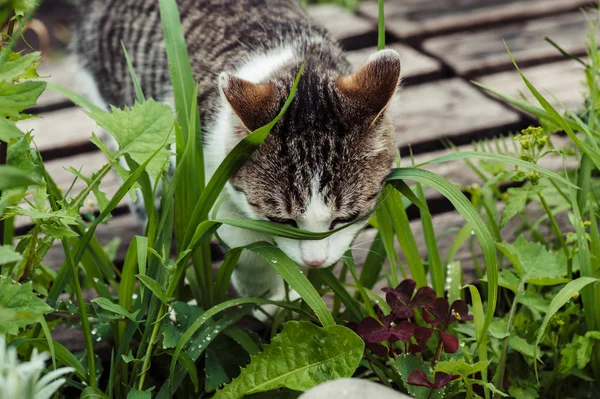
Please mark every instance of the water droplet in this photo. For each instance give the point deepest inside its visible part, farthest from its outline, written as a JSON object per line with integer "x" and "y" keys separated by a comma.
{"x": 472, "y": 232}
{"x": 274, "y": 260}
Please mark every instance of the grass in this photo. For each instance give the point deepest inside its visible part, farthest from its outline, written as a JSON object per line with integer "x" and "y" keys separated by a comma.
{"x": 535, "y": 305}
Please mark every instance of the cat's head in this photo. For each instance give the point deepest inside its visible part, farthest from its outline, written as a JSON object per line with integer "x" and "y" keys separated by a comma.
{"x": 325, "y": 161}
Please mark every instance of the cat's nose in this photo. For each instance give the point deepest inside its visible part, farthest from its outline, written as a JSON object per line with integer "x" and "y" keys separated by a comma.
{"x": 313, "y": 263}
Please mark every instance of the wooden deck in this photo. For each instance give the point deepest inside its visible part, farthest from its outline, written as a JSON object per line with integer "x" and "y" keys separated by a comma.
{"x": 443, "y": 44}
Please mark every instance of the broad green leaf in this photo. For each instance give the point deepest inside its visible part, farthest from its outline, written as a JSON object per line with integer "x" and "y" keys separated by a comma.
{"x": 517, "y": 199}
{"x": 107, "y": 304}
{"x": 9, "y": 255}
{"x": 522, "y": 346}
{"x": 19, "y": 306}
{"x": 302, "y": 356}
{"x": 498, "y": 328}
{"x": 11, "y": 177}
{"x": 14, "y": 98}
{"x": 140, "y": 131}
{"x": 461, "y": 367}
{"x": 534, "y": 301}
{"x": 17, "y": 67}
{"x": 534, "y": 263}
{"x": 206, "y": 316}
{"x": 9, "y": 130}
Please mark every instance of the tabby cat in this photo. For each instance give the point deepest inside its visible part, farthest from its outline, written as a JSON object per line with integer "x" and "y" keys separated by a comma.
{"x": 324, "y": 162}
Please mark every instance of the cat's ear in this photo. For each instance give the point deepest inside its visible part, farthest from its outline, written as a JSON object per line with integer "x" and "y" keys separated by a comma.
{"x": 251, "y": 102}
{"x": 371, "y": 88}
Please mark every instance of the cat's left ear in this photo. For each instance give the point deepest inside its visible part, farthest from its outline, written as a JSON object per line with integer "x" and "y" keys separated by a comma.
{"x": 251, "y": 102}
{"x": 371, "y": 88}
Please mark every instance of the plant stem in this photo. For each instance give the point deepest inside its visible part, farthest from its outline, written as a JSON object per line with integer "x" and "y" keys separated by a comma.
{"x": 145, "y": 366}
{"x": 3, "y": 145}
{"x": 85, "y": 323}
{"x": 557, "y": 233}
{"x": 381, "y": 29}
{"x": 511, "y": 316}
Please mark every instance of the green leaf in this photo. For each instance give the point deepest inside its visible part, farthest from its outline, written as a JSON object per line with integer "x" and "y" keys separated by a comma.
{"x": 140, "y": 131}
{"x": 299, "y": 358}
{"x": 563, "y": 296}
{"x": 534, "y": 263}
{"x": 517, "y": 199}
{"x": 11, "y": 177}
{"x": 107, "y": 304}
{"x": 14, "y": 98}
{"x": 522, "y": 346}
{"x": 9, "y": 130}
{"x": 534, "y": 301}
{"x": 19, "y": 306}
{"x": 206, "y": 316}
{"x": 9, "y": 255}
{"x": 156, "y": 289}
{"x": 461, "y": 367}
{"x": 17, "y": 67}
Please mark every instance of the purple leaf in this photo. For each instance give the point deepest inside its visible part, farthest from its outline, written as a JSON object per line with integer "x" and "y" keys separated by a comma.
{"x": 422, "y": 335}
{"x": 405, "y": 290}
{"x": 440, "y": 310}
{"x": 377, "y": 349}
{"x": 372, "y": 331}
{"x": 424, "y": 297}
{"x": 400, "y": 310}
{"x": 449, "y": 341}
{"x": 460, "y": 311}
{"x": 403, "y": 331}
{"x": 442, "y": 379}
{"x": 419, "y": 378}
{"x": 389, "y": 319}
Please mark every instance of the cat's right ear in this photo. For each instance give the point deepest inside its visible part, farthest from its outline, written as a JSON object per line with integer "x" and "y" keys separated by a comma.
{"x": 251, "y": 102}
{"x": 371, "y": 88}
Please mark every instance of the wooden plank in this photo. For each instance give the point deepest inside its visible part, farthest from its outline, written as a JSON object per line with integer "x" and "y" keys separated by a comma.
{"x": 61, "y": 133}
{"x": 351, "y": 30}
{"x": 470, "y": 53}
{"x": 412, "y": 19}
{"x": 416, "y": 66}
{"x": 447, "y": 109}
{"x": 561, "y": 79}
{"x": 61, "y": 71}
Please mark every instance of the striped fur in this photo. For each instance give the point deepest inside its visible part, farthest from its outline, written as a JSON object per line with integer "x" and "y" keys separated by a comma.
{"x": 323, "y": 163}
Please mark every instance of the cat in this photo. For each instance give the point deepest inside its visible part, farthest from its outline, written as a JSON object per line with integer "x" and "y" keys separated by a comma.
{"x": 323, "y": 164}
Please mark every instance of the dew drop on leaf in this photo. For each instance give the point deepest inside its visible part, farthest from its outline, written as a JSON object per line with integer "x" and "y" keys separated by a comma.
{"x": 274, "y": 260}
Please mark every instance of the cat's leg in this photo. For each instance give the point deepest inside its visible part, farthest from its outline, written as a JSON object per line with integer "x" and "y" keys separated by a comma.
{"x": 253, "y": 276}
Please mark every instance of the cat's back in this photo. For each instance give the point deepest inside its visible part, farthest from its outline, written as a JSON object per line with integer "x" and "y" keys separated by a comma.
{"x": 219, "y": 34}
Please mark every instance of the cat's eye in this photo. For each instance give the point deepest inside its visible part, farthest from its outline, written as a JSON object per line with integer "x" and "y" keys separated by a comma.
{"x": 340, "y": 221}
{"x": 289, "y": 222}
